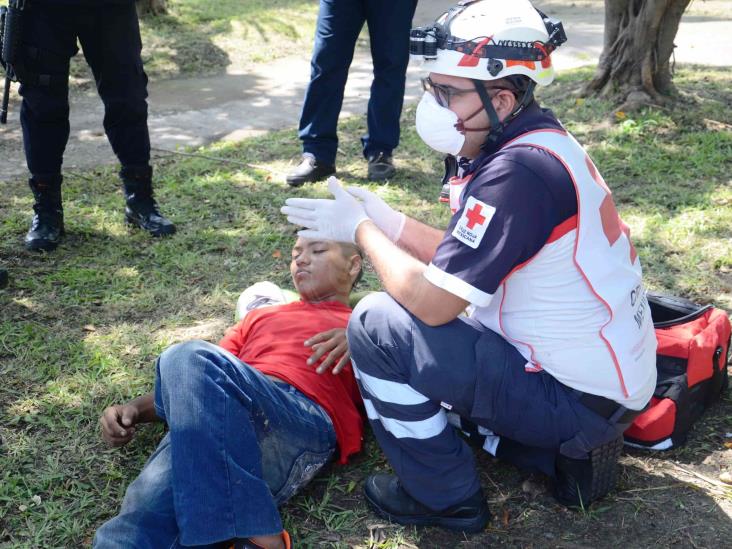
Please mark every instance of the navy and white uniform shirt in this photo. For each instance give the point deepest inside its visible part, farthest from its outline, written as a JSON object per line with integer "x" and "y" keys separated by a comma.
{"x": 513, "y": 200}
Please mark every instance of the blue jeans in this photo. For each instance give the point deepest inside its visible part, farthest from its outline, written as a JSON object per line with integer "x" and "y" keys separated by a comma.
{"x": 339, "y": 23}
{"x": 238, "y": 445}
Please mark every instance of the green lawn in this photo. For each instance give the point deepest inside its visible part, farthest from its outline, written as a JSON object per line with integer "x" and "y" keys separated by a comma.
{"x": 200, "y": 37}
{"x": 80, "y": 328}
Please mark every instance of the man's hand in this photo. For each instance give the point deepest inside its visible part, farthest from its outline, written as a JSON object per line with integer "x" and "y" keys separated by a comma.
{"x": 386, "y": 218}
{"x": 118, "y": 424}
{"x": 326, "y": 219}
{"x": 335, "y": 344}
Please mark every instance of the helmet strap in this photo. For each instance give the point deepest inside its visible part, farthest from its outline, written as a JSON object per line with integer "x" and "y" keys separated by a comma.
{"x": 496, "y": 128}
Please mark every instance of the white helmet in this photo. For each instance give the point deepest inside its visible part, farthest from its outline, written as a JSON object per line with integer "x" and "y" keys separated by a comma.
{"x": 490, "y": 39}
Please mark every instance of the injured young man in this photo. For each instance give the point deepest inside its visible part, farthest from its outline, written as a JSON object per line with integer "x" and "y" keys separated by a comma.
{"x": 249, "y": 421}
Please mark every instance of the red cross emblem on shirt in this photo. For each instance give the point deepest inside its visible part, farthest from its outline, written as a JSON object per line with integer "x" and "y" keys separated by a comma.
{"x": 474, "y": 216}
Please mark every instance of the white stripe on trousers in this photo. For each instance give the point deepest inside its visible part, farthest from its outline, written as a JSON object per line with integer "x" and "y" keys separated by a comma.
{"x": 399, "y": 393}
{"x": 426, "y": 428}
{"x": 389, "y": 391}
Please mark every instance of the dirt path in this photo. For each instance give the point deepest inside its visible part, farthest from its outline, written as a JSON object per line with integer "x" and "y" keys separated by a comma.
{"x": 252, "y": 100}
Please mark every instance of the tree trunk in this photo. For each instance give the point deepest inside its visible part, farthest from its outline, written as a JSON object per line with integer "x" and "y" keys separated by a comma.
{"x": 154, "y": 7}
{"x": 636, "y": 58}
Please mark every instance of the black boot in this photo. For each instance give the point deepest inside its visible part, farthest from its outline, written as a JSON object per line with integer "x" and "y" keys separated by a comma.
{"x": 141, "y": 210}
{"x": 3, "y": 278}
{"x": 387, "y": 497}
{"x": 47, "y": 226}
{"x": 579, "y": 482}
{"x": 381, "y": 167}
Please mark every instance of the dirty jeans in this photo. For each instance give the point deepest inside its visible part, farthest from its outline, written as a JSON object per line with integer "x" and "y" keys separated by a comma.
{"x": 238, "y": 445}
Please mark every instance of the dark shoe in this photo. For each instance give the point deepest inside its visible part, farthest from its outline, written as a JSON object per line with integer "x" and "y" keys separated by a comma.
{"x": 381, "y": 167}
{"x": 47, "y": 226}
{"x": 387, "y": 497}
{"x": 310, "y": 171}
{"x": 3, "y": 278}
{"x": 579, "y": 482}
{"x": 141, "y": 209}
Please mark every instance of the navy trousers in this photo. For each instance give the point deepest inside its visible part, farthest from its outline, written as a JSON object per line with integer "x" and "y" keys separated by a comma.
{"x": 412, "y": 377}
{"x": 339, "y": 24}
{"x": 110, "y": 37}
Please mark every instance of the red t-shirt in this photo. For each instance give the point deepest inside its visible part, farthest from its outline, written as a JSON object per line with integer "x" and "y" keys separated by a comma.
{"x": 271, "y": 339}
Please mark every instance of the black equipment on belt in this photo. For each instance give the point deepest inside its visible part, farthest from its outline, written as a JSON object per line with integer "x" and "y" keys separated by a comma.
{"x": 11, "y": 27}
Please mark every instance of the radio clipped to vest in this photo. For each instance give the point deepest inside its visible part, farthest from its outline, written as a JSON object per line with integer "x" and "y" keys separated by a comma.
{"x": 691, "y": 360}
{"x": 11, "y": 27}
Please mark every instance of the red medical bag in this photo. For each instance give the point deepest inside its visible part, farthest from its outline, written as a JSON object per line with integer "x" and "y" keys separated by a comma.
{"x": 692, "y": 357}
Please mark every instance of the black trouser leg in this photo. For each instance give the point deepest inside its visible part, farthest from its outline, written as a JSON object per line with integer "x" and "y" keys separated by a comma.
{"x": 110, "y": 40}
{"x": 48, "y": 42}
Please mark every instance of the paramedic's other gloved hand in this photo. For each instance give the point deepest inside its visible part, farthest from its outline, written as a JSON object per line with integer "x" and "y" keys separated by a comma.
{"x": 326, "y": 219}
{"x": 386, "y": 218}
{"x": 335, "y": 344}
{"x": 118, "y": 424}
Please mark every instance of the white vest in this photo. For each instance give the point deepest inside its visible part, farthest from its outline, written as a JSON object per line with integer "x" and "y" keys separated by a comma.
{"x": 578, "y": 308}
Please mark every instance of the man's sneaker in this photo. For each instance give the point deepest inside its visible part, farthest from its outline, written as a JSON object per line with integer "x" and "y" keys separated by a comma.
{"x": 310, "y": 170}
{"x": 579, "y": 482}
{"x": 47, "y": 226}
{"x": 387, "y": 497}
{"x": 381, "y": 167}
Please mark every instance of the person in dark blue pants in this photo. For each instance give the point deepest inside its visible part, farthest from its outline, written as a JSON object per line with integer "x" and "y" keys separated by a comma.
{"x": 109, "y": 34}
{"x": 338, "y": 27}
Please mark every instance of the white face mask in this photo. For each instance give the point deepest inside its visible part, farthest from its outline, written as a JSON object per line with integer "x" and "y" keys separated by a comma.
{"x": 436, "y": 125}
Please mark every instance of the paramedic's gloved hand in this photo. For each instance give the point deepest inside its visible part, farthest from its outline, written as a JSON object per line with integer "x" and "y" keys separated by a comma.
{"x": 335, "y": 344}
{"x": 386, "y": 218}
{"x": 326, "y": 219}
{"x": 118, "y": 424}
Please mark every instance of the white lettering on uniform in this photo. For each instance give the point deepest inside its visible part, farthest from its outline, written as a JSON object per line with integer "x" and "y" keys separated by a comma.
{"x": 473, "y": 222}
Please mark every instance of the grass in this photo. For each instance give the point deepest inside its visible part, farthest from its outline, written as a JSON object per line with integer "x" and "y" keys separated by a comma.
{"x": 80, "y": 328}
{"x": 199, "y": 37}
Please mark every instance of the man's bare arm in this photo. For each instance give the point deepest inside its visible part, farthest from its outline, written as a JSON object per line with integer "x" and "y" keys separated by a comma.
{"x": 403, "y": 278}
{"x": 420, "y": 240}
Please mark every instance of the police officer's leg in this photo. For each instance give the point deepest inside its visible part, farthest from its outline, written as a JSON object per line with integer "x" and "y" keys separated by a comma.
{"x": 48, "y": 42}
{"x": 389, "y": 24}
{"x": 110, "y": 39}
{"x": 434, "y": 465}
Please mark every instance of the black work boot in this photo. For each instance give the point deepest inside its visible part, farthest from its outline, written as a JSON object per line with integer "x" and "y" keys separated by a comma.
{"x": 141, "y": 210}
{"x": 309, "y": 170}
{"x": 387, "y": 497}
{"x": 579, "y": 482}
{"x": 381, "y": 167}
{"x": 47, "y": 226}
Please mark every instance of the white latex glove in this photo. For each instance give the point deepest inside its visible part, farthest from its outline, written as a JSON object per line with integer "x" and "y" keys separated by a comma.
{"x": 386, "y": 218}
{"x": 324, "y": 218}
